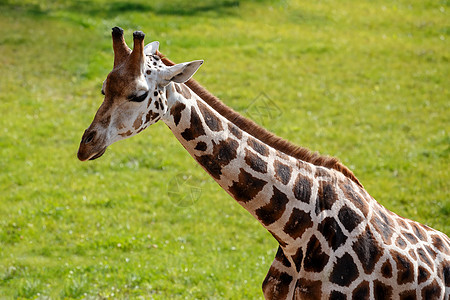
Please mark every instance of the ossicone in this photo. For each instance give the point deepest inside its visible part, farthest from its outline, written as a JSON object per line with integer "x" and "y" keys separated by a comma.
{"x": 137, "y": 59}
{"x": 121, "y": 50}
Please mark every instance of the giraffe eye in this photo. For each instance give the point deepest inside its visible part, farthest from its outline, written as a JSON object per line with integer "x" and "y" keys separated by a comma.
{"x": 135, "y": 98}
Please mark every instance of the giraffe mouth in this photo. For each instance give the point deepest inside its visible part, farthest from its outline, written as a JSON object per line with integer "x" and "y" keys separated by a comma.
{"x": 98, "y": 154}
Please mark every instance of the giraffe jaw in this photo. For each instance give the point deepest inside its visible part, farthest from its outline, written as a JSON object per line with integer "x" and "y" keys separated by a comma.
{"x": 95, "y": 156}
{"x": 83, "y": 157}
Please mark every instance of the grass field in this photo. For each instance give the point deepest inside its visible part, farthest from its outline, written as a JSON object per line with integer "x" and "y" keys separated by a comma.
{"x": 366, "y": 81}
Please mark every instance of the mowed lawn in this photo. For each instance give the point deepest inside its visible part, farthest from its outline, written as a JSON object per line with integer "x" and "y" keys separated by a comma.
{"x": 366, "y": 81}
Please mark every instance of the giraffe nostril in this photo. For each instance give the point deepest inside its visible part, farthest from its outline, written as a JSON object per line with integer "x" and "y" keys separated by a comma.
{"x": 89, "y": 137}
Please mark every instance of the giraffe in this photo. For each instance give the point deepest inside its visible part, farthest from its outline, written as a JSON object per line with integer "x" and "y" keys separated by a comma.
{"x": 335, "y": 240}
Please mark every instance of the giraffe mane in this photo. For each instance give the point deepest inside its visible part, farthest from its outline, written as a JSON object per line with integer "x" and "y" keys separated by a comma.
{"x": 263, "y": 134}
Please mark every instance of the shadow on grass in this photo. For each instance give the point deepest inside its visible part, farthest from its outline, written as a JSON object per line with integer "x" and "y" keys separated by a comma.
{"x": 110, "y": 9}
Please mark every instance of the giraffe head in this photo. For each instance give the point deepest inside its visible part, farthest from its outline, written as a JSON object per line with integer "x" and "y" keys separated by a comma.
{"x": 134, "y": 94}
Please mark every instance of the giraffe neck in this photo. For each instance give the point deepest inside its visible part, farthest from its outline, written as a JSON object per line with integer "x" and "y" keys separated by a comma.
{"x": 277, "y": 189}
{"x": 335, "y": 239}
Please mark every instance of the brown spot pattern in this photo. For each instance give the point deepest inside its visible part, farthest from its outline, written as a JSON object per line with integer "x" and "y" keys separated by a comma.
{"x": 258, "y": 146}
{"x": 128, "y": 133}
{"x": 302, "y": 188}
{"x": 400, "y": 243}
{"x": 196, "y": 127}
{"x": 255, "y": 162}
{"x": 297, "y": 258}
{"x": 349, "y": 218}
{"x": 402, "y": 223}
{"x": 234, "y": 130}
{"x": 439, "y": 244}
{"x": 412, "y": 254}
{"x": 359, "y": 202}
{"x": 282, "y": 172}
{"x": 386, "y": 269}
{"x": 151, "y": 116}
{"x": 405, "y": 269}
{"x": 247, "y": 186}
{"x": 326, "y": 197}
{"x": 422, "y": 275}
{"x": 321, "y": 172}
{"x": 273, "y": 210}
{"x": 211, "y": 120}
{"x": 201, "y": 146}
{"x": 315, "y": 259}
{"x": 335, "y": 295}
{"x": 344, "y": 271}
{"x": 332, "y": 232}
{"x": 223, "y": 152}
{"x": 138, "y": 122}
{"x": 276, "y": 284}
{"x": 431, "y": 252}
{"x": 445, "y": 270}
{"x": 424, "y": 257}
{"x": 419, "y": 232}
{"x": 408, "y": 295}
{"x": 308, "y": 289}
{"x": 383, "y": 228}
{"x": 282, "y": 258}
{"x": 381, "y": 291}
{"x": 367, "y": 250}
{"x": 185, "y": 92}
{"x": 297, "y": 224}
{"x": 410, "y": 237}
{"x": 361, "y": 292}
{"x": 432, "y": 291}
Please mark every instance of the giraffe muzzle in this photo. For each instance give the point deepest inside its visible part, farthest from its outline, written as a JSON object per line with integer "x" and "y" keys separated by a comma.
{"x": 89, "y": 148}
{"x": 84, "y": 154}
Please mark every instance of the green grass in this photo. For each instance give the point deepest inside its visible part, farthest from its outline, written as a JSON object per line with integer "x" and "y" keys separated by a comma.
{"x": 366, "y": 81}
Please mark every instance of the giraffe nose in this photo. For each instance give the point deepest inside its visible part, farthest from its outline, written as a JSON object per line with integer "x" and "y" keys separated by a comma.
{"x": 88, "y": 137}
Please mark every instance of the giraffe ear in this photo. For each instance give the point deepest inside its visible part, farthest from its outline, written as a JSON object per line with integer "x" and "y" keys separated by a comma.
{"x": 180, "y": 73}
{"x": 151, "y": 48}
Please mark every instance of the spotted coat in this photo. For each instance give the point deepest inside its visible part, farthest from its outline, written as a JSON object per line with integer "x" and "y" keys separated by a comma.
{"x": 336, "y": 241}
